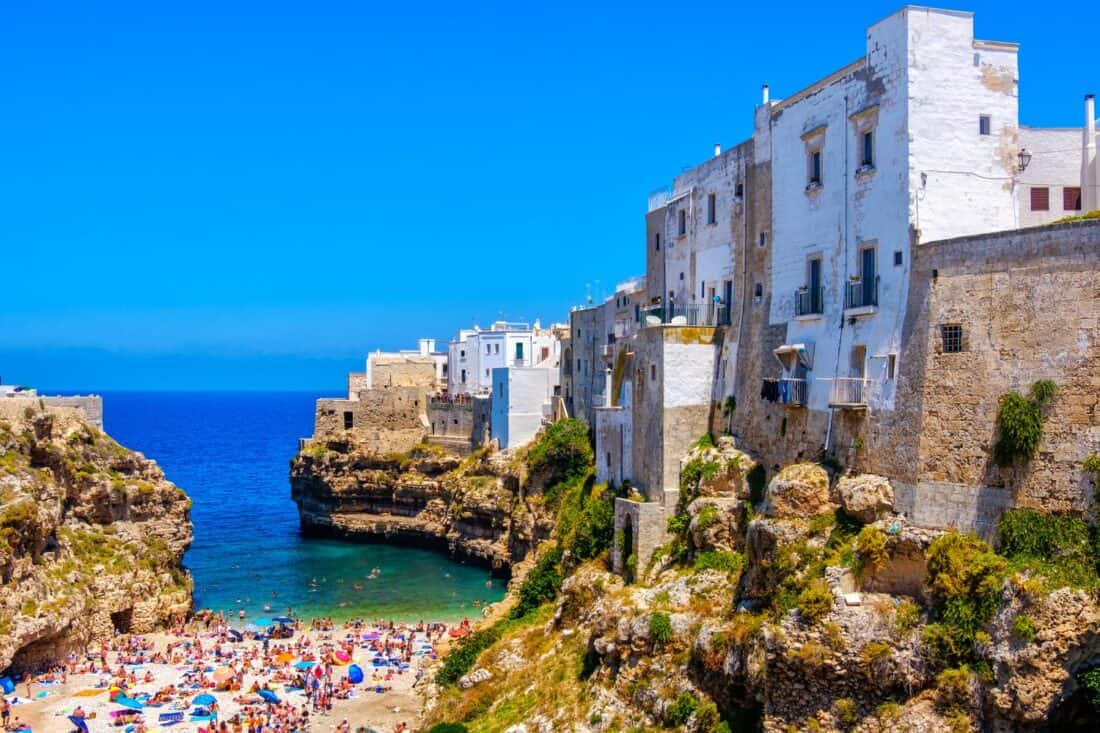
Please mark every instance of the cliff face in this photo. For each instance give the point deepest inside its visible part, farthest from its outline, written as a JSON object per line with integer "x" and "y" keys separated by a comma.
{"x": 794, "y": 613}
{"x": 91, "y": 538}
{"x": 472, "y": 507}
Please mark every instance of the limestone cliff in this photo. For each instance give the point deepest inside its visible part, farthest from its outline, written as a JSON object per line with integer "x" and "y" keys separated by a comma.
{"x": 91, "y": 538}
{"x": 473, "y": 507}
{"x": 812, "y": 608}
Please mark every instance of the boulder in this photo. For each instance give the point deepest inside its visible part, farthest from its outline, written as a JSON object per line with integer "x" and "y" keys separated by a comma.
{"x": 866, "y": 497}
{"x": 478, "y": 676}
{"x": 801, "y": 490}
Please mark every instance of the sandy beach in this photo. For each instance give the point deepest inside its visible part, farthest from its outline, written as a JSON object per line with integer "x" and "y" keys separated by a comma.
{"x": 142, "y": 683}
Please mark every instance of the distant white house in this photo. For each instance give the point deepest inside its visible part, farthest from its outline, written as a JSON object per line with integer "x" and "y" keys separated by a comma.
{"x": 475, "y": 353}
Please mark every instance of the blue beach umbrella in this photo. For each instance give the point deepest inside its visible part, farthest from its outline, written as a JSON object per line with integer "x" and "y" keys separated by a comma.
{"x": 79, "y": 723}
{"x": 261, "y": 622}
{"x": 355, "y": 674}
{"x": 304, "y": 665}
{"x": 128, "y": 702}
{"x": 269, "y": 696}
{"x": 204, "y": 699}
{"x": 283, "y": 620}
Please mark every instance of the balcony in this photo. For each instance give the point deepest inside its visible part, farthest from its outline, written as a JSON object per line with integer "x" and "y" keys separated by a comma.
{"x": 792, "y": 392}
{"x": 686, "y": 315}
{"x": 809, "y": 302}
{"x": 861, "y": 295}
{"x": 849, "y": 393}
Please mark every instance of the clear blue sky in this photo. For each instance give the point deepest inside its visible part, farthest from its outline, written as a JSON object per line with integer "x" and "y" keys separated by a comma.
{"x": 253, "y": 195}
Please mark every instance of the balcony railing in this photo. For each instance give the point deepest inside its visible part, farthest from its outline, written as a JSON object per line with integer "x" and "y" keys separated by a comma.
{"x": 849, "y": 392}
{"x": 793, "y": 392}
{"x": 861, "y": 294}
{"x": 808, "y": 302}
{"x": 687, "y": 315}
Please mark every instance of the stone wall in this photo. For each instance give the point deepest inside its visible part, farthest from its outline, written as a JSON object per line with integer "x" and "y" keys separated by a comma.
{"x": 385, "y": 420}
{"x": 451, "y": 418}
{"x": 89, "y": 407}
{"x": 482, "y": 421}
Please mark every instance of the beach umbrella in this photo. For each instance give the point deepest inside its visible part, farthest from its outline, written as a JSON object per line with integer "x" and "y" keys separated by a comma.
{"x": 341, "y": 657}
{"x": 7, "y": 685}
{"x": 269, "y": 696}
{"x": 283, "y": 620}
{"x": 223, "y": 674}
{"x": 355, "y": 674}
{"x": 79, "y": 723}
{"x": 204, "y": 699}
{"x": 235, "y": 635}
{"x": 304, "y": 665}
{"x": 284, "y": 658}
{"x": 262, "y": 622}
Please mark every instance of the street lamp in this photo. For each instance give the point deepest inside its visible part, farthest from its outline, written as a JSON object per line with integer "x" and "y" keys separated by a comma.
{"x": 1024, "y": 158}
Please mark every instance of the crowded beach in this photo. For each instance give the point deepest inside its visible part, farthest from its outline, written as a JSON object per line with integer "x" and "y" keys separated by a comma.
{"x": 279, "y": 674}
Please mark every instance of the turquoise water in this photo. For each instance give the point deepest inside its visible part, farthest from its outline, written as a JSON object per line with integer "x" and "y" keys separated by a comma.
{"x": 230, "y": 452}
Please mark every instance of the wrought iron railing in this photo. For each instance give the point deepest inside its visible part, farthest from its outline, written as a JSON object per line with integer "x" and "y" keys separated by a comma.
{"x": 809, "y": 301}
{"x": 849, "y": 391}
{"x": 861, "y": 293}
{"x": 793, "y": 391}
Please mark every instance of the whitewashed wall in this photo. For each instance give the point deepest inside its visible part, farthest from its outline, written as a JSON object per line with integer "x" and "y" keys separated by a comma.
{"x": 518, "y": 398}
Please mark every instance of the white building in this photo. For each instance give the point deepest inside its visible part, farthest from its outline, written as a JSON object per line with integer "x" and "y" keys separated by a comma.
{"x": 1060, "y": 179}
{"x": 474, "y": 353}
{"x": 521, "y": 402}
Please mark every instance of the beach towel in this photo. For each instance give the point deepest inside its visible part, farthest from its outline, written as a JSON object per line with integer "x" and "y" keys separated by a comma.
{"x": 169, "y": 718}
{"x": 88, "y": 693}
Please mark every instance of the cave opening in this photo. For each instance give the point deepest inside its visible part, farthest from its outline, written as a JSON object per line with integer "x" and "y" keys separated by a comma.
{"x": 121, "y": 620}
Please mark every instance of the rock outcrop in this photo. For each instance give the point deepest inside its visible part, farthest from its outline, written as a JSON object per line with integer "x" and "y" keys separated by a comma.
{"x": 865, "y": 497}
{"x": 91, "y": 538}
{"x": 472, "y": 507}
{"x": 801, "y": 490}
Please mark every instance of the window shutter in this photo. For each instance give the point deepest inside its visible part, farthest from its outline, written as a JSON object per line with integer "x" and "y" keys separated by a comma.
{"x": 1040, "y": 198}
{"x": 1071, "y": 198}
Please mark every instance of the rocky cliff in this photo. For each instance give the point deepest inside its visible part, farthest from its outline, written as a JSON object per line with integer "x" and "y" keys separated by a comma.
{"x": 478, "y": 507}
{"x": 812, "y": 607}
{"x": 91, "y": 537}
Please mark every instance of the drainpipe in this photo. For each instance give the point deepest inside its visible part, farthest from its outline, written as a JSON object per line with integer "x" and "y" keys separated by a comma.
{"x": 1089, "y": 179}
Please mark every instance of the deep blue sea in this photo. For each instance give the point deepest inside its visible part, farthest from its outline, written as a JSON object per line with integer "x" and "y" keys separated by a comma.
{"x": 231, "y": 451}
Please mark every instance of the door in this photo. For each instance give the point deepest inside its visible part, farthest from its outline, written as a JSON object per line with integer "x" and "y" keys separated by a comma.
{"x": 815, "y": 286}
{"x": 519, "y": 352}
{"x": 727, "y": 302}
{"x": 867, "y": 272}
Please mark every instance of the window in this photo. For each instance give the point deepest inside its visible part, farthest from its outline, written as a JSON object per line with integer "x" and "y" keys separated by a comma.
{"x": 952, "y": 338}
{"x": 349, "y": 420}
{"x": 682, "y": 226}
{"x": 702, "y": 290}
{"x": 488, "y": 349}
{"x": 1040, "y": 198}
{"x": 868, "y": 158}
{"x": 462, "y": 354}
{"x": 496, "y": 348}
{"x": 897, "y": 258}
{"x": 578, "y": 366}
{"x": 464, "y": 376}
{"x": 739, "y": 190}
{"x": 814, "y": 169}
{"x": 657, "y": 242}
{"x": 681, "y": 276}
{"x": 486, "y": 373}
{"x": 519, "y": 351}
{"x": 985, "y": 123}
{"x": 712, "y": 209}
{"x": 758, "y": 291}
{"x": 891, "y": 366}
{"x": 653, "y": 372}
{"x": 609, "y": 460}
{"x": 763, "y": 238}
{"x": 1071, "y": 198}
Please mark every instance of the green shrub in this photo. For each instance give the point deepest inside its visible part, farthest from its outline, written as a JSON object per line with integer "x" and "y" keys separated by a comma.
{"x": 953, "y": 687}
{"x": 1060, "y": 548}
{"x": 1024, "y": 627}
{"x": 680, "y": 711}
{"x": 873, "y": 653}
{"x": 464, "y": 654}
{"x": 846, "y": 710}
{"x": 815, "y": 601}
{"x": 1020, "y": 423}
{"x": 586, "y": 520}
{"x": 757, "y": 481}
{"x": 541, "y": 584}
{"x": 906, "y": 616}
{"x": 562, "y": 453}
{"x": 727, "y": 562}
{"x": 707, "y": 518}
{"x": 871, "y": 547}
{"x": 448, "y": 728}
{"x": 1089, "y": 681}
{"x": 706, "y": 441}
{"x": 660, "y": 628}
{"x": 965, "y": 577}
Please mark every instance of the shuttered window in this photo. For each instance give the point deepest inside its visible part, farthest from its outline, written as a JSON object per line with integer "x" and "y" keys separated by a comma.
{"x": 1071, "y": 198}
{"x": 1040, "y": 198}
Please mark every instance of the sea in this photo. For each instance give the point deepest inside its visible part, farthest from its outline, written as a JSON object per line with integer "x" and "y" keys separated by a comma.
{"x": 231, "y": 451}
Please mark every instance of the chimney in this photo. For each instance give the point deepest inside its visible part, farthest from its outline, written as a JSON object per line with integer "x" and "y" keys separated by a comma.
{"x": 765, "y": 94}
{"x": 1090, "y": 196}
{"x": 717, "y": 149}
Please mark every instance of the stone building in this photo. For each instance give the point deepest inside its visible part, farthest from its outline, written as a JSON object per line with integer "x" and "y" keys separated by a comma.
{"x": 789, "y": 264}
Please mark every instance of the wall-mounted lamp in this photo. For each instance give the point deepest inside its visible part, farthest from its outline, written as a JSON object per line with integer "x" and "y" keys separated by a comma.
{"x": 1024, "y": 158}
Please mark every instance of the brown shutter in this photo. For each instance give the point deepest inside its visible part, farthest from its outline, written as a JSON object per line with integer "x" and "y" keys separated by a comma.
{"x": 1040, "y": 198}
{"x": 1071, "y": 198}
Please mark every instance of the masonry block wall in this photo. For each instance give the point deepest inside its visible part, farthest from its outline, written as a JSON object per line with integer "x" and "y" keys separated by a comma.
{"x": 451, "y": 419}
{"x": 89, "y": 407}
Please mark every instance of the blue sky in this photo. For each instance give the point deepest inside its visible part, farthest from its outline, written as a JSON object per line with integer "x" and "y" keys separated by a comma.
{"x": 253, "y": 195}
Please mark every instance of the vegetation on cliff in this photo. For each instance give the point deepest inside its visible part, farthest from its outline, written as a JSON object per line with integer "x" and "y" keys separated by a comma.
{"x": 91, "y": 538}
{"x": 879, "y": 626}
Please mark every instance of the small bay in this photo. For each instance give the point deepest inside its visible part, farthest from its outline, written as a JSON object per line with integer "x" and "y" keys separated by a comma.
{"x": 230, "y": 452}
